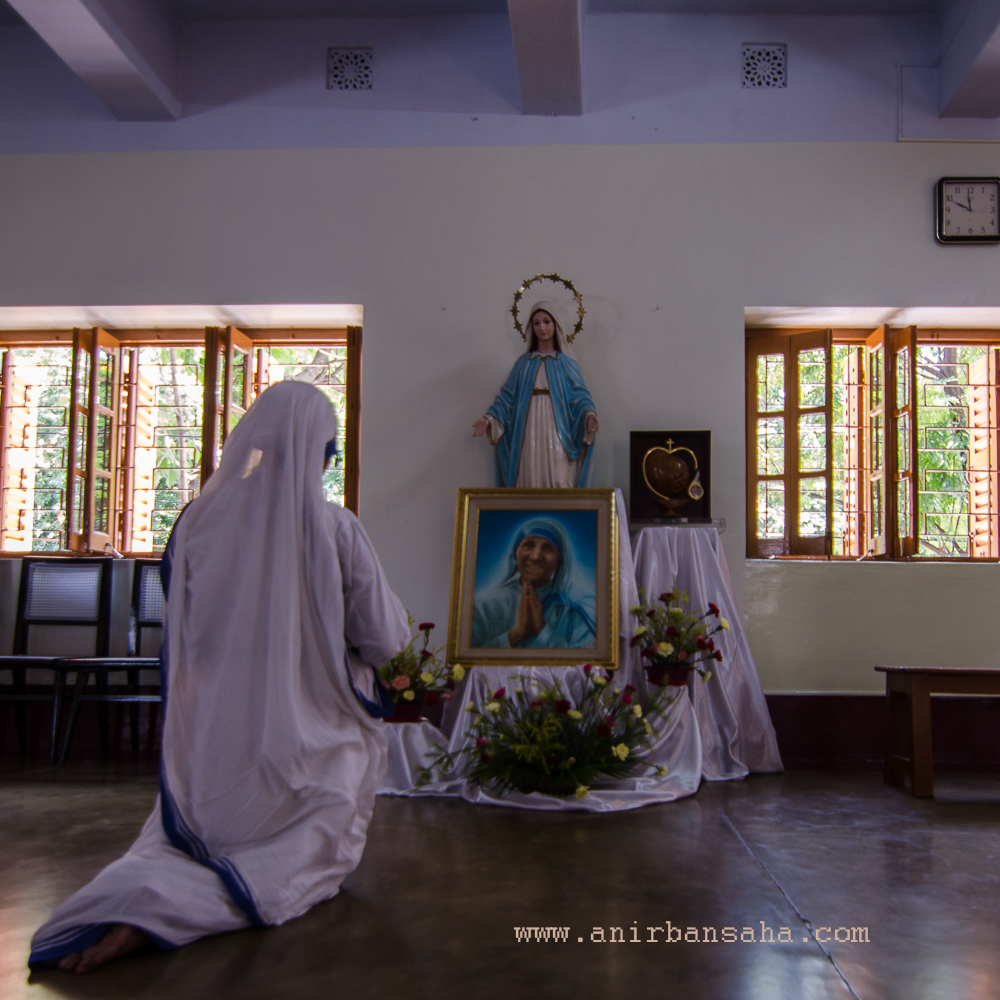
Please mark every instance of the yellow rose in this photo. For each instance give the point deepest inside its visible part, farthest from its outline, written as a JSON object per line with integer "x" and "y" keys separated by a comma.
{"x": 458, "y": 671}
{"x": 427, "y": 677}
{"x": 647, "y": 726}
{"x": 706, "y": 677}
{"x": 620, "y": 751}
{"x": 470, "y": 707}
{"x": 664, "y": 649}
{"x": 642, "y": 630}
{"x": 724, "y": 624}
{"x": 408, "y": 695}
{"x": 600, "y": 681}
{"x": 493, "y": 706}
{"x": 574, "y": 714}
{"x": 581, "y": 791}
{"x": 637, "y": 711}
{"x": 662, "y": 770}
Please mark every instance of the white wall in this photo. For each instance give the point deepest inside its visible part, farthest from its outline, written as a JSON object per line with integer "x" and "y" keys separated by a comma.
{"x": 668, "y": 244}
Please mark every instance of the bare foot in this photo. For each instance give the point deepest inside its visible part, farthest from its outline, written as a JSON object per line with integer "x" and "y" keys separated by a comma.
{"x": 120, "y": 940}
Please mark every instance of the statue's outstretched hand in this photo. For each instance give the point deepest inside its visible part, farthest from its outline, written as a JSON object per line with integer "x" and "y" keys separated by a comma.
{"x": 593, "y": 426}
{"x": 479, "y": 427}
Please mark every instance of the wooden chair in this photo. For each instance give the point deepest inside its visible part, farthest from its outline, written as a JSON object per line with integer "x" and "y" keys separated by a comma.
{"x": 144, "y": 640}
{"x": 57, "y": 600}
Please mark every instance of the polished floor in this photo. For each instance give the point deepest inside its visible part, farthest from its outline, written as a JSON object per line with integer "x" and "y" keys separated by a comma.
{"x": 433, "y": 909}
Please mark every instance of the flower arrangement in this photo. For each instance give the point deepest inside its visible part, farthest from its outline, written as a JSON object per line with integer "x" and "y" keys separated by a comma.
{"x": 671, "y": 637}
{"x": 536, "y": 740}
{"x": 417, "y": 676}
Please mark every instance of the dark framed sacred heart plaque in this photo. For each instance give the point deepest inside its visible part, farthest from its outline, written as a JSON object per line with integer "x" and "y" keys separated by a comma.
{"x": 671, "y": 476}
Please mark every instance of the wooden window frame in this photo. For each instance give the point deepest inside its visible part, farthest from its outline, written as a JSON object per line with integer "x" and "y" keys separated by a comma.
{"x": 884, "y": 347}
{"x": 85, "y": 409}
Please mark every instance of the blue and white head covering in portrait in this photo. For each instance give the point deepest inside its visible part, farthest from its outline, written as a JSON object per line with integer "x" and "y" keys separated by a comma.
{"x": 569, "y": 599}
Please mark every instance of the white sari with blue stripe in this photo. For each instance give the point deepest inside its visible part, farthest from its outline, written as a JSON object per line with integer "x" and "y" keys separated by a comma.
{"x": 271, "y": 750}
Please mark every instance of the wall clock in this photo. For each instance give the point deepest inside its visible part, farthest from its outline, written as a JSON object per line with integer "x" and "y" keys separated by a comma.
{"x": 968, "y": 210}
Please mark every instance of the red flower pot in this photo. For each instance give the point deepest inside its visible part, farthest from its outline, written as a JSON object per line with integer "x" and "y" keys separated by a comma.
{"x": 668, "y": 674}
{"x": 417, "y": 711}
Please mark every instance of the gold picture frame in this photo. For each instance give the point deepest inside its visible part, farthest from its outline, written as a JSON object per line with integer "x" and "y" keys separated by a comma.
{"x": 579, "y": 599}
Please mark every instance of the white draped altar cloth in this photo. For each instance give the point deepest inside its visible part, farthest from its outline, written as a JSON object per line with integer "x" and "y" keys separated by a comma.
{"x": 679, "y": 746}
{"x": 736, "y": 731}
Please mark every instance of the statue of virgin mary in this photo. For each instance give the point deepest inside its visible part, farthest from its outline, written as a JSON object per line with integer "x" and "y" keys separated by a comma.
{"x": 543, "y": 422}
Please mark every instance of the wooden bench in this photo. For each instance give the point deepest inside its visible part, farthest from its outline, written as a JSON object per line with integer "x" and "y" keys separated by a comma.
{"x": 908, "y": 693}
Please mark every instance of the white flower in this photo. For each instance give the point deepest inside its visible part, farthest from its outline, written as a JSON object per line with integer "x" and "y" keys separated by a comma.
{"x": 493, "y": 706}
{"x": 458, "y": 671}
{"x": 637, "y": 711}
{"x": 664, "y": 649}
{"x": 470, "y": 707}
{"x": 708, "y": 673}
{"x": 648, "y": 727}
{"x": 581, "y": 791}
{"x": 723, "y": 623}
{"x": 600, "y": 681}
{"x": 519, "y": 690}
{"x": 620, "y": 751}
{"x": 662, "y": 770}
{"x": 642, "y": 630}
{"x": 427, "y": 677}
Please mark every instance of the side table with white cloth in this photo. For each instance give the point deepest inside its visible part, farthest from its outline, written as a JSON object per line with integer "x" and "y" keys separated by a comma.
{"x": 679, "y": 747}
{"x": 736, "y": 731}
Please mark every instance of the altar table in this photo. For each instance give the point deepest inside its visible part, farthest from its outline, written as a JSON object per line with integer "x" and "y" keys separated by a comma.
{"x": 736, "y": 731}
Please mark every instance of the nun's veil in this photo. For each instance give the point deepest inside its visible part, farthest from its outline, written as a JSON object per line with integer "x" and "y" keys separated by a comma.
{"x": 543, "y": 527}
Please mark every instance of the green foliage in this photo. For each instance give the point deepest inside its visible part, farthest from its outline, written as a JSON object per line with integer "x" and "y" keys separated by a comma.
{"x": 535, "y": 740}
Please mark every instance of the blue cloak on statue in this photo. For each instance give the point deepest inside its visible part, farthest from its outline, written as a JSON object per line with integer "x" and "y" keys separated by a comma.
{"x": 571, "y": 403}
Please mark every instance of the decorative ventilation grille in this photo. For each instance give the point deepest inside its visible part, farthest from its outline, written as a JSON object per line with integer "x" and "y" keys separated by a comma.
{"x": 349, "y": 69}
{"x": 765, "y": 65}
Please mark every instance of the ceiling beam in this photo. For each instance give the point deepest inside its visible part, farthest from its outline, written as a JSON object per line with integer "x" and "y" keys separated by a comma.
{"x": 125, "y": 51}
{"x": 548, "y": 42}
{"x": 969, "y": 71}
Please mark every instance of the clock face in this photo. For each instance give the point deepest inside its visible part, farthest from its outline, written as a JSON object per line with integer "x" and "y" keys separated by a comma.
{"x": 969, "y": 210}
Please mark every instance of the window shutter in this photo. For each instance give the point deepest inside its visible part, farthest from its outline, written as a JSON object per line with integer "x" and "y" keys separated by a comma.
{"x": 875, "y": 444}
{"x": 984, "y": 457}
{"x": 352, "y": 432}
{"x": 901, "y": 440}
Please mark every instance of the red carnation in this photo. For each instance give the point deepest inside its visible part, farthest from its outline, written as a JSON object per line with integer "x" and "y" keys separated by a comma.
{"x": 451, "y": 684}
{"x": 562, "y": 706}
{"x": 627, "y": 699}
{"x": 666, "y": 597}
{"x": 445, "y": 696}
{"x": 604, "y": 731}
{"x": 651, "y": 612}
{"x": 425, "y": 626}
{"x": 608, "y": 718}
{"x": 425, "y": 653}
{"x": 682, "y": 655}
{"x": 711, "y": 644}
{"x": 701, "y": 642}
{"x": 629, "y": 688}
{"x": 587, "y": 668}
{"x": 714, "y": 608}
{"x": 672, "y": 632}
{"x": 645, "y": 652}
{"x": 480, "y": 742}
{"x": 537, "y": 703}
{"x": 718, "y": 655}
{"x": 500, "y": 692}
{"x": 633, "y": 644}
{"x": 484, "y": 757}
{"x": 431, "y": 698}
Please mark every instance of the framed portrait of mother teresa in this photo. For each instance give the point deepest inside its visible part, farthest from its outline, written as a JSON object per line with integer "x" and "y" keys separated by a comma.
{"x": 534, "y": 578}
